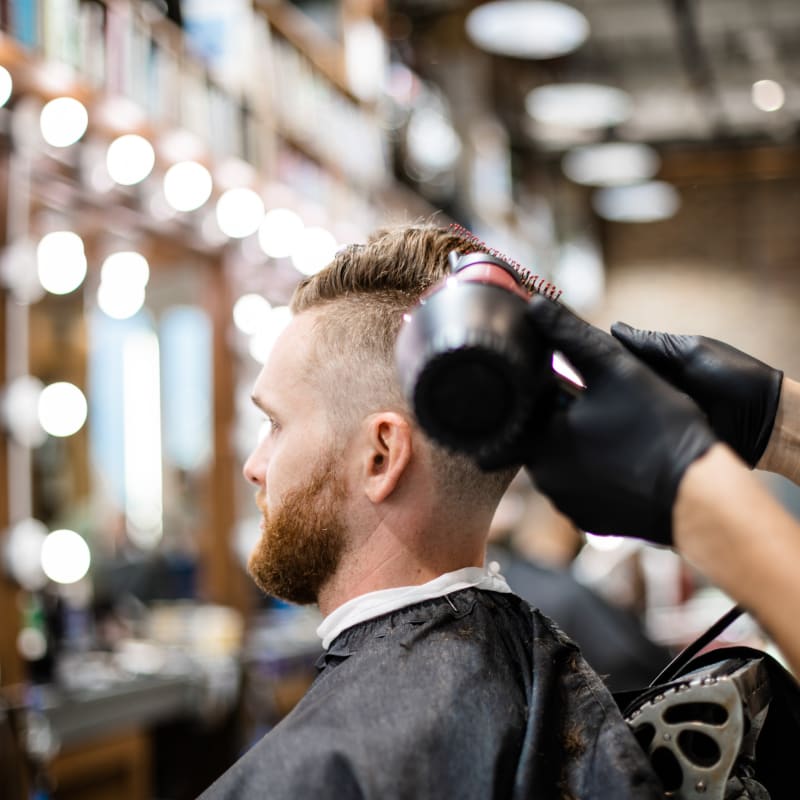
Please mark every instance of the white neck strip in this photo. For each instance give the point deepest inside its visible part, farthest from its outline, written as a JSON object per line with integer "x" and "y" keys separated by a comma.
{"x": 375, "y": 604}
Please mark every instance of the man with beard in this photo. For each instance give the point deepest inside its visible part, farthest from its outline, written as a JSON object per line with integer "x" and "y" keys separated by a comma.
{"x": 436, "y": 680}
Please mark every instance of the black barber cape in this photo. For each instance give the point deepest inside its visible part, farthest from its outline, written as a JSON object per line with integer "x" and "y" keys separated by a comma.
{"x": 472, "y": 695}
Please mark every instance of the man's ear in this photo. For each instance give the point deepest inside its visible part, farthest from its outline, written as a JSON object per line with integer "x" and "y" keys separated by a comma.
{"x": 389, "y": 448}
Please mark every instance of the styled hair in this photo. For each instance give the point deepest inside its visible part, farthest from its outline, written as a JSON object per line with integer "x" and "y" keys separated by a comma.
{"x": 362, "y": 296}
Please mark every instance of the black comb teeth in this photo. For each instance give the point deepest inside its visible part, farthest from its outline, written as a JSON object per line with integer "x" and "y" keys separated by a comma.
{"x": 532, "y": 283}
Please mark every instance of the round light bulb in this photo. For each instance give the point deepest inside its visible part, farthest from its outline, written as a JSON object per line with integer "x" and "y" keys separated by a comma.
{"x": 6, "y": 85}
{"x": 61, "y": 262}
{"x": 130, "y": 159}
{"x": 20, "y": 410}
{"x": 18, "y": 270}
{"x": 31, "y": 644}
{"x": 314, "y": 250}
{"x": 62, "y": 409}
{"x": 120, "y": 301}
{"x": 249, "y": 313}
{"x": 125, "y": 268}
{"x": 23, "y": 553}
{"x": 187, "y": 185}
{"x": 63, "y": 121}
{"x": 266, "y": 336}
{"x": 279, "y": 231}
{"x": 65, "y": 556}
{"x": 768, "y": 95}
{"x": 239, "y": 212}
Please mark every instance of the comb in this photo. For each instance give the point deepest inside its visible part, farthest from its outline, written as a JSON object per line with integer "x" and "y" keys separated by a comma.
{"x": 532, "y": 283}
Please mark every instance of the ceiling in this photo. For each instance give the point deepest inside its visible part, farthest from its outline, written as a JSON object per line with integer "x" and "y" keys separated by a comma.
{"x": 688, "y": 64}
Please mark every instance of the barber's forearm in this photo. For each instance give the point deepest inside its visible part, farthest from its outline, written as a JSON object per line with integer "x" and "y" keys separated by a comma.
{"x": 782, "y": 454}
{"x": 733, "y": 530}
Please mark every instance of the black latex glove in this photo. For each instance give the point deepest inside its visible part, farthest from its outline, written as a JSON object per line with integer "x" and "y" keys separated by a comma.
{"x": 611, "y": 458}
{"x": 738, "y": 393}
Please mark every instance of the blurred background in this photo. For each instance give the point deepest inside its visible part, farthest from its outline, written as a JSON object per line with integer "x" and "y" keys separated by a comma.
{"x": 169, "y": 171}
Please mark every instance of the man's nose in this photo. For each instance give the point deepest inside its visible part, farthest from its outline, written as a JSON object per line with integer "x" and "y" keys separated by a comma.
{"x": 255, "y": 467}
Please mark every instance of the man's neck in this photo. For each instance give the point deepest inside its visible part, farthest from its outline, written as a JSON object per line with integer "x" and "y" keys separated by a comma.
{"x": 384, "y": 560}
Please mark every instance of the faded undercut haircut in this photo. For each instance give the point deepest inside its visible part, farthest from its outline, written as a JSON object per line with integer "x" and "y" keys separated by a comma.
{"x": 362, "y": 296}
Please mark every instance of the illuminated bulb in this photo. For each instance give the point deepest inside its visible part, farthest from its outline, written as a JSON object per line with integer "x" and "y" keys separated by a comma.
{"x": 279, "y": 231}
{"x": 62, "y": 409}
{"x": 23, "y": 553}
{"x": 249, "y": 313}
{"x": 125, "y": 268}
{"x": 611, "y": 163}
{"x": 65, "y": 556}
{"x": 536, "y": 29}
{"x": 130, "y": 159}
{"x": 239, "y": 212}
{"x": 642, "y": 202}
{"x": 61, "y": 262}
{"x": 18, "y": 271}
{"x": 268, "y": 333}
{"x": 63, "y": 121}
{"x": 579, "y": 274}
{"x": 314, "y": 250}
{"x": 432, "y": 142}
{"x": 120, "y": 301}
{"x": 6, "y": 85}
{"x": 20, "y": 410}
{"x": 31, "y": 644}
{"x": 187, "y": 185}
{"x": 768, "y": 95}
{"x": 578, "y": 105}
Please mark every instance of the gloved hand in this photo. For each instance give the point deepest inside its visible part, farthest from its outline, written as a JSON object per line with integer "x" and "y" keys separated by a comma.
{"x": 612, "y": 458}
{"x": 738, "y": 393}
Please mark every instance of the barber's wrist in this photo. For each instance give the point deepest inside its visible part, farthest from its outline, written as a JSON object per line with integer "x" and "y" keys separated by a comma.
{"x": 711, "y": 489}
{"x": 782, "y": 453}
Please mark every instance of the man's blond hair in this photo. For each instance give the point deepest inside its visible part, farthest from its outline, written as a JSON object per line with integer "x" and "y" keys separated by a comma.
{"x": 361, "y": 298}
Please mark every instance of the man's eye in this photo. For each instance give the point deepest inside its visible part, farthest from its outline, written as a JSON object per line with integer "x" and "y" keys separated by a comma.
{"x": 268, "y": 427}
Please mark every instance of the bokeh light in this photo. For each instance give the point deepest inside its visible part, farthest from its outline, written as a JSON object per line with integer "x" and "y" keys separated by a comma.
{"x": 249, "y": 313}
{"x": 6, "y": 85}
{"x": 262, "y": 341}
{"x": 63, "y": 121}
{"x": 65, "y": 556}
{"x": 642, "y": 202}
{"x": 23, "y": 553}
{"x": 768, "y": 95}
{"x": 61, "y": 262}
{"x": 130, "y": 159}
{"x": 527, "y": 29}
{"x": 125, "y": 267}
{"x": 578, "y": 105}
{"x": 187, "y": 185}
{"x": 120, "y": 301}
{"x": 62, "y": 409}
{"x": 279, "y": 231}
{"x": 314, "y": 250}
{"x": 20, "y": 410}
{"x": 239, "y": 212}
{"x": 123, "y": 278}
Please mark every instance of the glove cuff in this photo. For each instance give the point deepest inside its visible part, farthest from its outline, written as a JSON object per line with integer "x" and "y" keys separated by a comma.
{"x": 773, "y": 397}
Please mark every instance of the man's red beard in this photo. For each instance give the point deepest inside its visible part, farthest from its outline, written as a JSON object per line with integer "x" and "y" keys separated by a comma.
{"x": 302, "y": 540}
